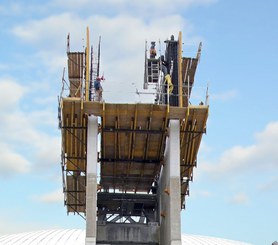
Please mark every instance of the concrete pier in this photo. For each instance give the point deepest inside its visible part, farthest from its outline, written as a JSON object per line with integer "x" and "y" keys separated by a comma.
{"x": 169, "y": 189}
{"x": 91, "y": 190}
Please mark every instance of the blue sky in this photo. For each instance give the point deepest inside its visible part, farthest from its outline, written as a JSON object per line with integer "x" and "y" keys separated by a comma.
{"x": 234, "y": 194}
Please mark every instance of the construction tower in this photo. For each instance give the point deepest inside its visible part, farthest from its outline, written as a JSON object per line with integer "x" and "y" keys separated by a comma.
{"x": 127, "y": 167}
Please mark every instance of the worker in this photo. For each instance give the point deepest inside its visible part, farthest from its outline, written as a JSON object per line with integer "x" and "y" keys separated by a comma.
{"x": 167, "y": 77}
{"x": 152, "y": 50}
{"x": 168, "y": 81}
{"x": 164, "y": 65}
{"x": 98, "y": 88}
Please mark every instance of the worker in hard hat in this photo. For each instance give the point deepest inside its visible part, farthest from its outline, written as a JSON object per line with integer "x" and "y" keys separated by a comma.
{"x": 152, "y": 50}
{"x": 98, "y": 87}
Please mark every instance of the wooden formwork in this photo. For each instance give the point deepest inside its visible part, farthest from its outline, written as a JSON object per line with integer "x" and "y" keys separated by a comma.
{"x": 132, "y": 143}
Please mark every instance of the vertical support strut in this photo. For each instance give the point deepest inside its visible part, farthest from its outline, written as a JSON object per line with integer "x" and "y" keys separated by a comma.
{"x": 169, "y": 189}
{"x": 91, "y": 189}
{"x": 180, "y": 69}
{"x": 87, "y": 66}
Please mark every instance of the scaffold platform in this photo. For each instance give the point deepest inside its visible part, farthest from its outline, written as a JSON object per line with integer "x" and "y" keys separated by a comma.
{"x": 132, "y": 143}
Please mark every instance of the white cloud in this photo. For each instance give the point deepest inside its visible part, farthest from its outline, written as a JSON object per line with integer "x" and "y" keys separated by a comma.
{"x": 224, "y": 96}
{"x": 27, "y": 139}
{"x": 123, "y": 31}
{"x": 47, "y": 30}
{"x": 23, "y": 131}
{"x": 10, "y": 94}
{"x": 269, "y": 185}
{"x": 11, "y": 162}
{"x": 201, "y": 194}
{"x": 48, "y": 153}
{"x": 260, "y": 156}
{"x": 240, "y": 198}
{"x": 46, "y": 117}
{"x": 50, "y": 61}
{"x": 145, "y": 7}
{"x": 204, "y": 147}
{"x": 52, "y": 197}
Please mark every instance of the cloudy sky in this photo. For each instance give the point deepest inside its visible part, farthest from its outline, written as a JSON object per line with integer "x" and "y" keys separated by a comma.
{"x": 234, "y": 194}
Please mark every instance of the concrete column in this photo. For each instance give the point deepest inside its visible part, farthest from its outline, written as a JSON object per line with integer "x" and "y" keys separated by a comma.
{"x": 91, "y": 189}
{"x": 169, "y": 189}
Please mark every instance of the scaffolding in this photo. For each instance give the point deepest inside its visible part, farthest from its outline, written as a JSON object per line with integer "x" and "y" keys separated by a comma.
{"x": 132, "y": 138}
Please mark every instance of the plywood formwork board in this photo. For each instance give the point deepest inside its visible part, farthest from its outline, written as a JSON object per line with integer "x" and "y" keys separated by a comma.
{"x": 74, "y": 126}
{"x": 133, "y": 146}
{"x": 191, "y": 135}
{"x": 189, "y": 66}
{"x": 75, "y": 195}
{"x": 75, "y": 72}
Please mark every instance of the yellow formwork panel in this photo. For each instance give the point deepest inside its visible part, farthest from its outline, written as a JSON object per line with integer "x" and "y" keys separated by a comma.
{"x": 74, "y": 137}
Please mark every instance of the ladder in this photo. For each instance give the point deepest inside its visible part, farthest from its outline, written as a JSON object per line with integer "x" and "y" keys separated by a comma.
{"x": 152, "y": 70}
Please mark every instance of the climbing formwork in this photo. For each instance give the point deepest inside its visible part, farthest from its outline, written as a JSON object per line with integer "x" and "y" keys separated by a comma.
{"x": 133, "y": 191}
